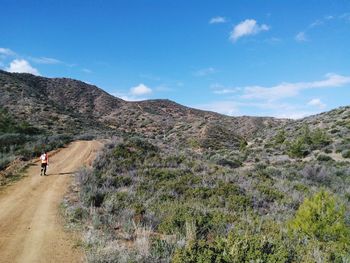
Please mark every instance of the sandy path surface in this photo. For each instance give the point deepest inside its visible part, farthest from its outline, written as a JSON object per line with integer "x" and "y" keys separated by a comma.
{"x": 31, "y": 229}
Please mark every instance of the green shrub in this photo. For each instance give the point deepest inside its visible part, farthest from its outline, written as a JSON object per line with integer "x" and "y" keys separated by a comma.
{"x": 319, "y": 138}
{"x": 298, "y": 148}
{"x": 229, "y": 163}
{"x": 9, "y": 125}
{"x": 270, "y": 194}
{"x": 346, "y": 154}
{"x": 236, "y": 248}
{"x": 324, "y": 158}
{"x": 321, "y": 217}
{"x": 175, "y": 218}
{"x": 307, "y": 141}
{"x": 280, "y": 137}
{"x": 243, "y": 145}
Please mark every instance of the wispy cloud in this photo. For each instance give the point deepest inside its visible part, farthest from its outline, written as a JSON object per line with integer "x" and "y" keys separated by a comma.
{"x": 317, "y": 103}
{"x": 301, "y": 37}
{"x": 274, "y": 100}
{"x": 6, "y": 52}
{"x": 222, "y": 90}
{"x": 45, "y": 60}
{"x": 22, "y": 66}
{"x": 286, "y": 90}
{"x": 223, "y": 107}
{"x": 205, "y": 72}
{"x": 246, "y": 28}
{"x": 316, "y": 23}
{"x": 218, "y": 20}
{"x": 278, "y": 110}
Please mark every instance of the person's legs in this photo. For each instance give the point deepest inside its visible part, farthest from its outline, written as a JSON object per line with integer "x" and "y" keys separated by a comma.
{"x": 45, "y": 165}
{"x": 42, "y": 169}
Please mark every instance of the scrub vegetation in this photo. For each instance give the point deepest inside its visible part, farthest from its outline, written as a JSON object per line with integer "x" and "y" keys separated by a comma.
{"x": 175, "y": 184}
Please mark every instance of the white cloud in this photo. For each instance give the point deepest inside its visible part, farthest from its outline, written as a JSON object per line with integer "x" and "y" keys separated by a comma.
{"x": 301, "y": 37}
{"x": 225, "y": 91}
{"x": 316, "y": 23}
{"x": 223, "y": 107}
{"x": 45, "y": 60}
{"x": 140, "y": 89}
{"x": 246, "y": 28}
{"x": 127, "y": 97}
{"x": 221, "y": 89}
{"x": 218, "y": 20}
{"x": 272, "y": 109}
{"x": 294, "y": 114}
{"x": 7, "y": 52}
{"x": 22, "y": 66}
{"x": 286, "y": 90}
{"x": 317, "y": 103}
{"x": 204, "y": 72}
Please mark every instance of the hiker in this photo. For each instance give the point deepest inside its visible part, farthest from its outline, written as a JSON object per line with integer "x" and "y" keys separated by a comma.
{"x": 44, "y": 158}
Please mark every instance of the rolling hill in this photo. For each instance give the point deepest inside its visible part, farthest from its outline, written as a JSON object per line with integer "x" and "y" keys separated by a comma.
{"x": 176, "y": 184}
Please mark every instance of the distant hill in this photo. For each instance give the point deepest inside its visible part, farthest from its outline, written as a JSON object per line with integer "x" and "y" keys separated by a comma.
{"x": 67, "y": 105}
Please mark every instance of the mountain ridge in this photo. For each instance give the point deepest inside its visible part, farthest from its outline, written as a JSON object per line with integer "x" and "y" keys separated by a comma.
{"x": 72, "y": 102}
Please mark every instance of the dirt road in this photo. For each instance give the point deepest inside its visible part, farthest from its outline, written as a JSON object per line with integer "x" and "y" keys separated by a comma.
{"x": 31, "y": 229}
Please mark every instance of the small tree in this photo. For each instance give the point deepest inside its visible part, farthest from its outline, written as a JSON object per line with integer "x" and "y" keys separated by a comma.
{"x": 297, "y": 148}
{"x": 280, "y": 137}
{"x": 320, "y": 138}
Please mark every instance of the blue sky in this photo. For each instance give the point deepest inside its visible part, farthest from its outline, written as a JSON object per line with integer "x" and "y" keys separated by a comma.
{"x": 262, "y": 58}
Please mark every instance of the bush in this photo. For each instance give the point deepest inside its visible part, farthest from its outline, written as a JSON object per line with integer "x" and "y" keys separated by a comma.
{"x": 324, "y": 158}
{"x": 307, "y": 141}
{"x": 280, "y": 137}
{"x": 320, "y": 138}
{"x": 298, "y": 148}
{"x": 8, "y": 124}
{"x": 236, "y": 248}
{"x": 346, "y": 154}
{"x": 322, "y": 217}
{"x": 11, "y": 139}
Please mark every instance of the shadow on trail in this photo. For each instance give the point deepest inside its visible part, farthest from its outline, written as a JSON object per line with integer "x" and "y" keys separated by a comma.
{"x": 52, "y": 174}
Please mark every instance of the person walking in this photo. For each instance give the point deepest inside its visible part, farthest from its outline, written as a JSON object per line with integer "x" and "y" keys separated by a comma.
{"x": 44, "y": 158}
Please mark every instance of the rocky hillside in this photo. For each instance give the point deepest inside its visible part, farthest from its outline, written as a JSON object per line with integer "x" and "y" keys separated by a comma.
{"x": 66, "y": 105}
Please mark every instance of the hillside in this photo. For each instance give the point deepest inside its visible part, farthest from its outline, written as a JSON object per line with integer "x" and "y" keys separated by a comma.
{"x": 73, "y": 106}
{"x": 176, "y": 184}
{"x": 281, "y": 197}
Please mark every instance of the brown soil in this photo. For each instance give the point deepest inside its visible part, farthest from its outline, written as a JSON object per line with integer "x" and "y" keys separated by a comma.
{"x": 31, "y": 229}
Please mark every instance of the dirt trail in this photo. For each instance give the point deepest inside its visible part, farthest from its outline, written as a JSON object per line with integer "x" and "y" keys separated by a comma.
{"x": 31, "y": 229}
